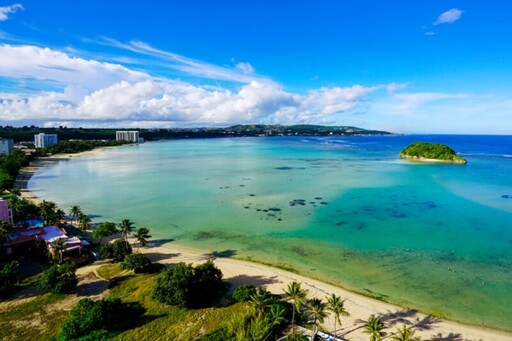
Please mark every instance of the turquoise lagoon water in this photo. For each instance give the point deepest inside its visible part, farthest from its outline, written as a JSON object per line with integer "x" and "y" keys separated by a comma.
{"x": 434, "y": 237}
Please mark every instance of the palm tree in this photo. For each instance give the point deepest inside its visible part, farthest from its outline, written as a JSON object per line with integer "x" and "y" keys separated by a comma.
{"x": 75, "y": 212}
{"x": 374, "y": 327}
{"x": 60, "y": 214}
{"x": 317, "y": 310}
{"x": 6, "y": 228}
{"x": 142, "y": 236}
{"x": 260, "y": 300}
{"x": 126, "y": 228}
{"x": 58, "y": 246}
{"x": 84, "y": 222}
{"x": 405, "y": 334}
{"x": 297, "y": 296}
{"x": 47, "y": 211}
{"x": 276, "y": 314}
{"x": 336, "y": 305}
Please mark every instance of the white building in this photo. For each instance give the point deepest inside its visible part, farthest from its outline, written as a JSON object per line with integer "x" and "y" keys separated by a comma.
{"x": 43, "y": 140}
{"x": 128, "y": 135}
{"x": 6, "y": 146}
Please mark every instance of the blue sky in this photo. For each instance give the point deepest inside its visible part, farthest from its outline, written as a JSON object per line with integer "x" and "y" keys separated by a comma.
{"x": 403, "y": 66}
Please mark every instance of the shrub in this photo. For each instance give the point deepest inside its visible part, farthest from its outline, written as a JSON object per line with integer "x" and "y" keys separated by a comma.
{"x": 96, "y": 319}
{"x": 136, "y": 262}
{"x": 116, "y": 250}
{"x": 59, "y": 279}
{"x": 187, "y": 286}
{"x": 243, "y": 293}
{"x": 8, "y": 276}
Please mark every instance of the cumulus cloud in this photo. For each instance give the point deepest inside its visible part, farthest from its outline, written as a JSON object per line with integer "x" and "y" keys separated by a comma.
{"x": 44, "y": 64}
{"x": 180, "y": 103}
{"x": 92, "y": 93}
{"x": 6, "y": 10}
{"x": 448, "y": 17}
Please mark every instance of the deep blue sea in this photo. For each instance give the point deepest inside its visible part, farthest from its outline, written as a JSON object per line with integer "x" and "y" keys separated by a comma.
{"x": 347, "y": 210}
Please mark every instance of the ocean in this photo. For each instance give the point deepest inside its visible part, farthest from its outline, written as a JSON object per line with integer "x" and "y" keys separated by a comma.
{"x": 346, "y": 210}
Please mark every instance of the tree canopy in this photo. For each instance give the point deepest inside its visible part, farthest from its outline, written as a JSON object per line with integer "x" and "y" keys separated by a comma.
{"x": 431, "y": 151}
{"x": 191, "y": 287}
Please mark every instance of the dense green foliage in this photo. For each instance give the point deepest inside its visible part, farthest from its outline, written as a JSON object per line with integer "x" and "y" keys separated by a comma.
{"x": 10, "y": 166}
{"x": 8, "y": 276}
{"x": 50, "y": 212}
{"x": 186, "y": 286}
{"x": 100, "y": 318}
{"x": 116, "y": 250}
{"x": 70, "y": 147}
{"x": 243, "y": 293}
{"x": 104, "y": 230}
{"x": 27, "y": 133}
{"x": 136, "y": 262}
{"x": 6, "y": 228}
{"x": 59, "y": 278}
{"x": 431, "y": 151}
{"x": 22, "y": 208}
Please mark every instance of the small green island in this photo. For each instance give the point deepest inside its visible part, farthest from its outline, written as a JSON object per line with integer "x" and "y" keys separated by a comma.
{"x": 431, "y": 152}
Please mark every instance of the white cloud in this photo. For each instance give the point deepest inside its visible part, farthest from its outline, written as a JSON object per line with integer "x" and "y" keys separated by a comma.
{"x": 246, "y": 68}
{"x": 44, "y": 64}
{"x": 191, "y": 66}
{"x": 448, "y": 17}
{"x": 6, "y": 10}
{"x": 174, "y": 103}
{"x": 430, "y": 33}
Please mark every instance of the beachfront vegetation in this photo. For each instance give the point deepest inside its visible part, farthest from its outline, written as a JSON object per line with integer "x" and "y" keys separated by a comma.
{"x": 187, "y": 286}
{"x": 317, "y": 311}
{"x": 116, "y": 250}
{"x": 22, "y": 208}
{"x": 126, "y": 227}
{"x": 297, "y": 296}
{"x": 374, "y": 327}
{"x": 136, "y": 262}
{"x": 337, "y": 307}
{"x": 72, "y": 147}
{"x": 100, "y": 319}
{"x": 243, "y": 293}
{"x": 142, "y": 236}
{"x": 10, "y": 166}
{"x": 433, "y": 151}
{"x": 59, "y": 278}
{"x": 405, "y": 334}
{"x": 104, "y": 230}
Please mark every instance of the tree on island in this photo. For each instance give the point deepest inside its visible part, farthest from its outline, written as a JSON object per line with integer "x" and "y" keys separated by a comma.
{"x": 336, "y": 305}
{"x": 126, "y": 227}
{"x": 104, "y": 230}
{"x": 297, "y": 296}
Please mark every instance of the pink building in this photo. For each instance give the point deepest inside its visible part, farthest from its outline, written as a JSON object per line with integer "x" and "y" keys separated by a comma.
{"x": 5, "y": 211}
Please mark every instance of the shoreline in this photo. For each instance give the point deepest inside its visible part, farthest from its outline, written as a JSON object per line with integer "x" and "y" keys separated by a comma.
{"x": 275, "y": 279}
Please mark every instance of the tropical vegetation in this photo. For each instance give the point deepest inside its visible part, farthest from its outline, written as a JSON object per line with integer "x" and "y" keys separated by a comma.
{"x": 59, "y": 278}
{"x": 188, "y": 286}
{"x": 425, "y": 150}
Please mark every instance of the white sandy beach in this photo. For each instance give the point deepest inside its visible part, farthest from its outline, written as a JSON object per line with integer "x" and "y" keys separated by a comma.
{"x": 275, "y": 280}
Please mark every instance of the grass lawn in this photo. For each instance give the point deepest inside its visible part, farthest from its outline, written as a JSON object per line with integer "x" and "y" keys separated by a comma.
{"x": 34, "y": 320}
{"x": 42, "y": 318}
